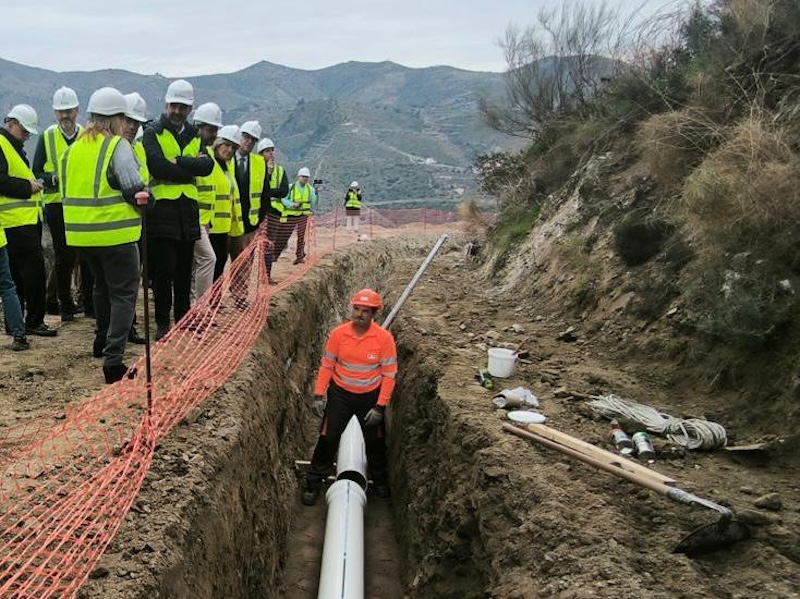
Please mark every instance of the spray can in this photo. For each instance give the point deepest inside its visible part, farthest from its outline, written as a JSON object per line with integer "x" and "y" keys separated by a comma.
{"x": 620, "y": 439}
{"x": 644, "y": 449}
{"x": 484, "y": 378}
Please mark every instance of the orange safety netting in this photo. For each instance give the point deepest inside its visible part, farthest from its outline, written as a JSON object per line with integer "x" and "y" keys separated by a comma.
{"x": 66, "y": 487}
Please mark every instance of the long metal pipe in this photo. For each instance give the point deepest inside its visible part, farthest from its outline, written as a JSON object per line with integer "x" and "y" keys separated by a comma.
{"x": 342, "y": 572}
{"x": 413, "y": 282}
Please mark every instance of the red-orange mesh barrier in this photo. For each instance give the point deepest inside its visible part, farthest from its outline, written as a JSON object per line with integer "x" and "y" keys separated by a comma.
{"x": 65, "y": 488}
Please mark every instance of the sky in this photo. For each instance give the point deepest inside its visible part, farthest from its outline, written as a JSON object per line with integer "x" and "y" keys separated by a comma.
{"x": 204, "y": 37}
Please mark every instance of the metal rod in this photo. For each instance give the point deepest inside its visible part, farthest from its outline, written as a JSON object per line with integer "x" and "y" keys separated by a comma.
{"x": 414, "y": 280}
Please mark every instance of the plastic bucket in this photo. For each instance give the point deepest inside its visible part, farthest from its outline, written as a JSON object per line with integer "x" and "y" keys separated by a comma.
{"x": 501, "y": 362}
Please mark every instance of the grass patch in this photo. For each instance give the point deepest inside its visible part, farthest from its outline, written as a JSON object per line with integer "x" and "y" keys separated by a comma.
{"x": 510, "y": 230}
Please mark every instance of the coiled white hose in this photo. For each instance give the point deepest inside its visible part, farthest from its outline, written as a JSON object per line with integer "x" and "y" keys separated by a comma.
{"x": 692, "y": 433}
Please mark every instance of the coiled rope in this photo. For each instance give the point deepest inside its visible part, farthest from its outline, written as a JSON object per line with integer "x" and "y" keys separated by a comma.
{"x": 692, "y": 433}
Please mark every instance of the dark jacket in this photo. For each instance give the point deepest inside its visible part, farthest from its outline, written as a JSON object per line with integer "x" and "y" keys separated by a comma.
{"x": 13, "y": 187}
{"x": 270, "y": 193}
{"x": 174, "y": 219}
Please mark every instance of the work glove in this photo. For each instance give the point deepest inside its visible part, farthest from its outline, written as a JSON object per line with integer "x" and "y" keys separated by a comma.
{"x": 374, "y": 417}
{"x": 318, "y": 405}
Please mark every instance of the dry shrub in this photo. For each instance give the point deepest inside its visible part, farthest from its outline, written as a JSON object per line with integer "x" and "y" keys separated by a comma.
{"x": 746, "y": 195}
{"x": 751, "y": 17}
{"x": 474, "y": 220}
{"x": 672, "y": 142}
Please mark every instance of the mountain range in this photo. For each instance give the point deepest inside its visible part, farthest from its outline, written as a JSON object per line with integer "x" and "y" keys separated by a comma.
{"x": 410, "y": 136}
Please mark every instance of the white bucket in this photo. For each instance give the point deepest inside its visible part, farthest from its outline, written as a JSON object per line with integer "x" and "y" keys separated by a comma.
{"x": 501, "y": 362}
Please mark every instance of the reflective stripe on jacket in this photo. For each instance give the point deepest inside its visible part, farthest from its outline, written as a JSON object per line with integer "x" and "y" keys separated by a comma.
{"x": 359, "y": 363}
{"x": 54, "y": 147}
{"x": 166, "y": 190}
{"x": 95, "y": 214}
{"x": 15, "y": 212}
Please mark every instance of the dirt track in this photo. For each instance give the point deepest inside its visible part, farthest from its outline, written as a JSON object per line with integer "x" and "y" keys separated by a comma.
{"x": 478, "y": 513}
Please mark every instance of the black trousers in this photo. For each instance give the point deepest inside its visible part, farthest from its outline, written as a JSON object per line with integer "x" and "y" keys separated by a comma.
{"x": 172, "y": 277}
{"x": 343, "y": 405}
{"x": 26, "y": 260}
{"x": 116, "y": 285}
{"x": 300, "y": 224}
{"x": 65, "y": 256}
{"x": 219, "y": 242}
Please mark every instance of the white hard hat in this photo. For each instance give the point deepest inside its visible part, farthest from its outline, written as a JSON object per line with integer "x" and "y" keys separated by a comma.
{"x": 180, "y": 91}
{"x": 208, "y": 114}
{"x": 354, "y": 184}
{"x": 304, "y": 172}
{"x": 251, "y": 128}
{"x": 264, "y": 144}
{"x": 230, "y": 133}
{"x": 26, "y": 116}
{"x": 65, "y": 98}
{"x": 107, "y": 101}
{"x": 136, "y": 108}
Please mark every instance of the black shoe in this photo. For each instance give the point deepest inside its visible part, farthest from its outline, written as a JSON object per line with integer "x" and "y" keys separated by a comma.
{"x": 42, "y": 330}
{"x": 52, "y": 309}
{"x": 117, "y": 372}
{"x": 383, "y": 491}
{"x": 135, "y": 337}
{"x": 311, "y": 492}
{"x": 97, "y": 348}
{"x": 161, "y": 331}
{"x": 20, "y": 343}
{"x": 67, "y": 317}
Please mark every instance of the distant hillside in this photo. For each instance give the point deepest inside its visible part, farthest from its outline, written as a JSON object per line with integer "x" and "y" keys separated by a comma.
{"x": 407, "y": 135}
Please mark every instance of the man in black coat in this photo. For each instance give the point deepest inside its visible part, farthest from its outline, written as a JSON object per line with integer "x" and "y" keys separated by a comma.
{"x": 172, "y": 148}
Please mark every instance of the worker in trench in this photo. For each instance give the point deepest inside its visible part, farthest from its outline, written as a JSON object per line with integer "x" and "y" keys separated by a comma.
{"x": 358, "y": 370}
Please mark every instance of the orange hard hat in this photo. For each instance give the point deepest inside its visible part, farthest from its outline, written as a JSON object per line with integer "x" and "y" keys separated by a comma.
{"x": 367, "y": 297}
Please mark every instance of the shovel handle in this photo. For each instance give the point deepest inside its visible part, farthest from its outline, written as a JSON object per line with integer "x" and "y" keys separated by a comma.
{"x": 634, "y": 477}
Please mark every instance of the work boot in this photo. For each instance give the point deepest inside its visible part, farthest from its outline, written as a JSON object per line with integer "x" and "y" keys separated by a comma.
{"x": 42, "y": 330}
{"x": 97, "y": 348}
{"x": 116, "y": 372}
{"x": 311, "y": 491}
{"x": 161, "y": 331}
{"x": 20, "y": 343}
{"x": 135, "y": 337}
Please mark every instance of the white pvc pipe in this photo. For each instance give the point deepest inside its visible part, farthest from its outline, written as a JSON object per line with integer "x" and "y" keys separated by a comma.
{"x": 351, "y": 461}
{"x": 342, "y": 573}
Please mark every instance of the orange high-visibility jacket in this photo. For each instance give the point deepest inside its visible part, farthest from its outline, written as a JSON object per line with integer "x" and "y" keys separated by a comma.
{"x": 359, "y": 363}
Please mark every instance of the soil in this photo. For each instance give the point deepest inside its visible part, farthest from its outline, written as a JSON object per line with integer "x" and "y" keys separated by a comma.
{"x": 477, "y": 512}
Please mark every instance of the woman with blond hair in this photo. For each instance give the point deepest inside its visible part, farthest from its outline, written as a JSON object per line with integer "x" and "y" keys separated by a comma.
{"x": 103, "y": 193}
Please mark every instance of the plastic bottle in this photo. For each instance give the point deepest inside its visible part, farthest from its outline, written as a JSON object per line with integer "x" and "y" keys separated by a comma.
{"x": 621, "y": 440}
{"x": 484, "y": 378}
{"x": 644, "y": 448}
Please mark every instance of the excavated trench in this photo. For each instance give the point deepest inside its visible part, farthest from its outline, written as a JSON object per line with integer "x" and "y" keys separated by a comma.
{"x": 214, "y": 517}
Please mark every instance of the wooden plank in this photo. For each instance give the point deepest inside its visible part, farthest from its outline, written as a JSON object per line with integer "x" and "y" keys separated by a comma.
{"x": 597, "y": 453}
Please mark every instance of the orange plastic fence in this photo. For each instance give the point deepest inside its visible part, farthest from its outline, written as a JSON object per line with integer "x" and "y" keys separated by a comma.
{"x": 65, "y": 488}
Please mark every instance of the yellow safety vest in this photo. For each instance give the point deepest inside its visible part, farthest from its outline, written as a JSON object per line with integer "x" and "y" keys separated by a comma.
{"x": 95, "y": 214}
{"x": 166, "y": 190}
{"x": 353, "y": 201}
{"x": 301, "y": 195}
{"x": 258, "y": 172}
{"x": 205, "y": 193}
{"x": 15, "y": 212}
{"x": 141, "y": 158}
{"x": 3, "y": 240}
{"x": 54, "y": 147}
{"x": 274, "y": 182}
{"x": 227, "y": 207}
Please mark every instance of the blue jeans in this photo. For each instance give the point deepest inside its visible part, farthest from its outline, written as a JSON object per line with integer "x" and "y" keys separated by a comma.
{"x": 12, "y": 311}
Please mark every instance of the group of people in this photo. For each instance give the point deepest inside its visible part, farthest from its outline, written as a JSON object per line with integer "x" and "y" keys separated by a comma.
{"x": 205, "y": 188}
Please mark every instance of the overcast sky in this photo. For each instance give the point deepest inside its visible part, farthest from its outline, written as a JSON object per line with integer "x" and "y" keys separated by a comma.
{"x": 203, "y": 37}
